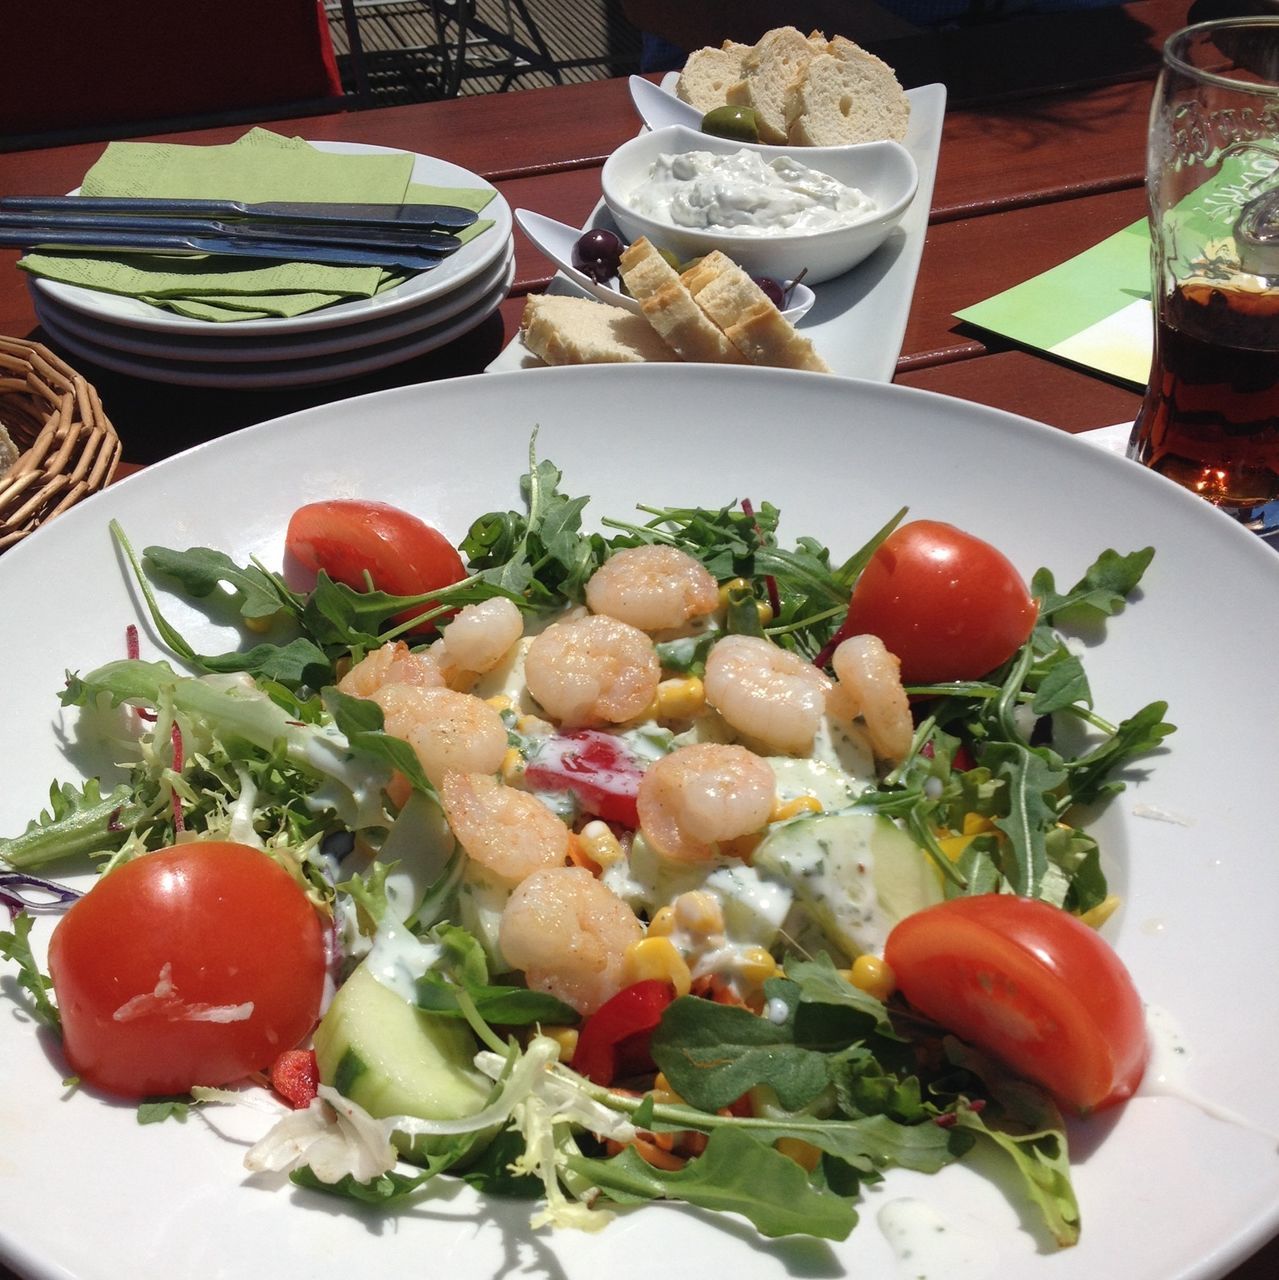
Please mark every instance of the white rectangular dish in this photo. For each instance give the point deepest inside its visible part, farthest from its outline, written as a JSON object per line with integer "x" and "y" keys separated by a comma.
{"x": 859, "y": 319}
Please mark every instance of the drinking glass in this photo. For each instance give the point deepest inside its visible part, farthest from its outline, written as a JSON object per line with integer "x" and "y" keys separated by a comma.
{"x": 1210, "y": 418}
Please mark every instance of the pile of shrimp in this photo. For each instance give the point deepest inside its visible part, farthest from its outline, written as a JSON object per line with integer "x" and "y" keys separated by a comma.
{"x": 598, "y": 668}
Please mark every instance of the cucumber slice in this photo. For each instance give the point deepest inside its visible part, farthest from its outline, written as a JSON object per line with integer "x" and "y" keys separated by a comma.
{"x": 854, "y": 874}
{"x": 392, "y": 1059}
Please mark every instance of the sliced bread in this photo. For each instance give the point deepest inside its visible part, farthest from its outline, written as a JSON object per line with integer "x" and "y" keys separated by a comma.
{"x": 670, "y": 308}
{"x": 747, "y": 316}
{"x": 707, "y": 74}
{"x": 769, "y": 70}
{"x": 8, "y": 452}
{"x": 569, "y": 330}
{"x": 846, "y": 96}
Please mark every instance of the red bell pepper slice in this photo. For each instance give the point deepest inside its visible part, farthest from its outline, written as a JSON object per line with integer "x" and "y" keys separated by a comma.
{"x": 613, "y": 1041}
{"x": 596, "y": 767}
{"x": 296, "y": 1077}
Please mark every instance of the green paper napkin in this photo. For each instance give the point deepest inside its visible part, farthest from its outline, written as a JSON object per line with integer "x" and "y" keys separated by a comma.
{"x": 260, "y": 166}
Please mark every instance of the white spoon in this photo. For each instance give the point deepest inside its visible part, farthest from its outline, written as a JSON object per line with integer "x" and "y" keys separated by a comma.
{"x": 658, "y": 109}
{"x": 556, "y": 241}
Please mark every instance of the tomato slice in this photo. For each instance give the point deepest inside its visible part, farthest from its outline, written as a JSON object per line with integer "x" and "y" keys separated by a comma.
{"x": 1033, "y": 986}
{"x": 194, "y": 965}
{"x": 947, "y": 604}
{"x": 614, "y": 1040}
{"x": 596, "y": 767}
{"x": 346, "y": 538}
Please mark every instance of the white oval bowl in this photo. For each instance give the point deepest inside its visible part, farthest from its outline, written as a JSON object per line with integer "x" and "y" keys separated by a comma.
{"x": 885, "y": 171}
{"x": 556, "y": 240}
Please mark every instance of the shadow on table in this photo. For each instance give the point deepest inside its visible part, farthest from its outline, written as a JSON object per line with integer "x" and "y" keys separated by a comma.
{"x": 156, "y": 420}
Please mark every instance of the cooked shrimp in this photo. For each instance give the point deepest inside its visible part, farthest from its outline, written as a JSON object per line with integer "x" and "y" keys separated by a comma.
{"x": 480, "y": 636}
{"x": 569, "y": 934}
{"x": 446, "y": 730}
{"x": 870, "y": 686}
{"x": 696, "y": 797}
{"x": 769, "y": 694}
{"x": 392, "y": 663}
{"x": 510, "y": 832}
{"x": 592, "y": 671}
{"x": 654, "y": 588}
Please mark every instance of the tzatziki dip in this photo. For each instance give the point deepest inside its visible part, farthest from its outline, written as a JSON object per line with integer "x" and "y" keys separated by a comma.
{"x": 745, "y": 194}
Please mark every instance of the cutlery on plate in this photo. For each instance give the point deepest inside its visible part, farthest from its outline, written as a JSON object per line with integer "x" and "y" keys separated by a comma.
{"x": 240, "y": 244}
{"x": 421, "y": 216}
{"x": 47, "y": 230}
{"x": 658, "y": 109}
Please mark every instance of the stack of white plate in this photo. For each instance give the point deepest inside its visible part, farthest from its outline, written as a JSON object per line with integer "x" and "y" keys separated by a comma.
{"x": 426, "y": 311}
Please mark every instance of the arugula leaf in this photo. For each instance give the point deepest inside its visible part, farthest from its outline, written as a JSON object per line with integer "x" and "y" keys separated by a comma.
{"x": 157, "y": 1110}
{"x": 1103, "y": 589}
{"x": 713, "y": 1053}
{"x": 16, "y": 945}
{"x": 201, "y": 571}
{"x": 498, "y": 1005}
{"x": 734, "y": 1174}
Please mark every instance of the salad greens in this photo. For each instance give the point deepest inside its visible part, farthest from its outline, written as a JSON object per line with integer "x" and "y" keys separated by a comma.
{"x": 272, "y": 754}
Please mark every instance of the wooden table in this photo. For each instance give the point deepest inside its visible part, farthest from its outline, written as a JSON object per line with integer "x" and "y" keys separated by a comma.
{"x": 1029, "y": 175}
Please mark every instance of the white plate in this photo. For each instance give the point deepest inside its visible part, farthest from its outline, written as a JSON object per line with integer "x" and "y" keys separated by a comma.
{"x": 297, "y": 346}
{"x": 858, "y": 321}
{"x": 418, "y": 290}
{"x": 1167, "y": 1191}
{"x": 304, "y": 371}
{"x": 556, "y": 241}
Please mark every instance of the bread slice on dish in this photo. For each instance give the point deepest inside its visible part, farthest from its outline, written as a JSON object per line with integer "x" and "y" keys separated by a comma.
{"x": 671, "y": 309}
{"x": 707, "y": 74}
{"x": 748, "y": 317}
{"x": 567, "y": 330}
{"x": 778, "y": 61}
{"x": 845, "y": 96}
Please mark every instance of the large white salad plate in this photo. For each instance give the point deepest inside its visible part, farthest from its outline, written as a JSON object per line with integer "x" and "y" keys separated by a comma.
{"x": 418, "y": 291}
{"x": 858, "y": 320}
{"x": 1179, "y": 1184}
{"x": 346, "y": 360}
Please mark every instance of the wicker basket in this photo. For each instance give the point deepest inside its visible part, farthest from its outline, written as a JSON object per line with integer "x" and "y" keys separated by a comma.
{"x": 67, "y": 447}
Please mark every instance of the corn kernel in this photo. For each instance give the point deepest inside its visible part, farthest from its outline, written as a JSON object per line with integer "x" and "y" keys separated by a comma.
{"x": 663, "y": 1093}
{"x": 499, "y": 702}
{"x": 512, "y": 766}
{"x": 534, "y": 727}
{"x": 975, "y": 824}
{"x": 1102, "y": 912}
{"x": 803, "y": 1153}
{"x": 566, "y": 1038}
{"x": 699, "y": 912}
{"x": 260, "y": 626}
{"x": 600, "y": 844}
{"x": 662, "y": 925}
{"x": 873, "y": 976}
{"x": 727, "y": 589}
{"x": 657, "y": 958}
{"x": 742, "y": 847}
{"x": 756, "y": 964}
{"x": 765, "y": 611}
{"x": 679, "y": 699}
{"x": 783, "y": 809}
{"x": 953, "y": 846}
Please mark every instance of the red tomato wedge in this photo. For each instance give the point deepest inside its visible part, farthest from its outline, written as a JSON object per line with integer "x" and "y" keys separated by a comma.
{"x": 346, "y": 538}
{"x": 947, "y": 604}
{"x": 1030, "y": 984}
{"x": 596, "y": 767}
{"x": 194, "y": 965}
{"x": 613, "y": 1041}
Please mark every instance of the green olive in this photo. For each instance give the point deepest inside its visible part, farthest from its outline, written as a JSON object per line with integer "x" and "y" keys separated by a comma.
{"x": 732, "y": 122}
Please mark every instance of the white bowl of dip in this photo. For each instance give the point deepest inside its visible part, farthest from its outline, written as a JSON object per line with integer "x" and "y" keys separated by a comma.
{"x": 776, "y": 211}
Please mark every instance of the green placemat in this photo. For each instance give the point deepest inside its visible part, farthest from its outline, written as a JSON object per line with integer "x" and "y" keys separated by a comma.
{"x": 261, "y": 166}
{"x": 1093, "y": 310}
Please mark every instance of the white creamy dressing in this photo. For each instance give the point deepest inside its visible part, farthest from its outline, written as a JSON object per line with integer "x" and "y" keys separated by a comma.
{"x": 398, "y": 958}
{"x": 745, "y": 194}
{"x": 1167, "y": 1075}
{"x": 929, "y": 1247}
